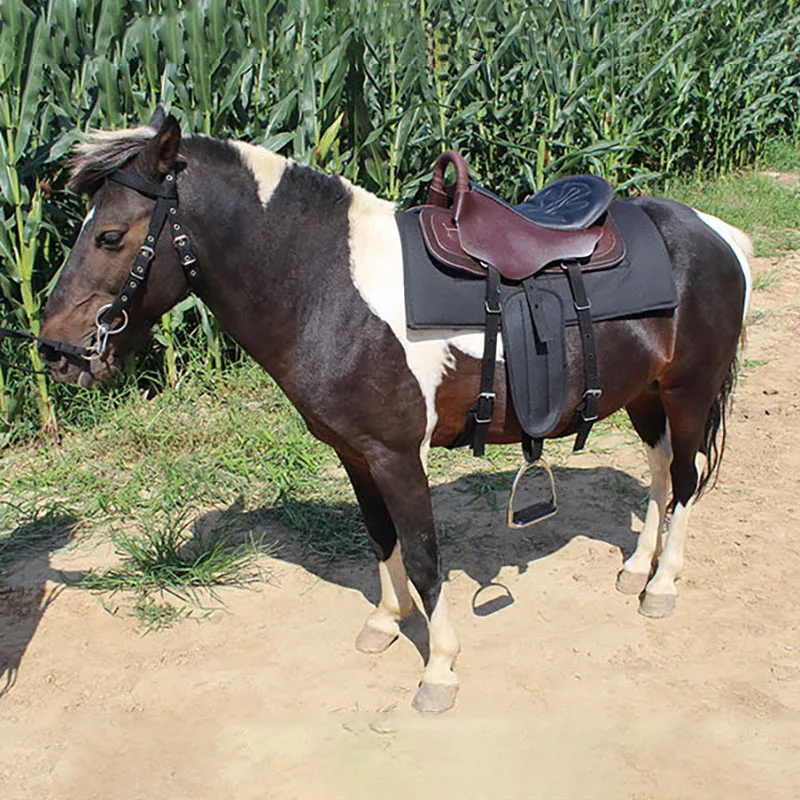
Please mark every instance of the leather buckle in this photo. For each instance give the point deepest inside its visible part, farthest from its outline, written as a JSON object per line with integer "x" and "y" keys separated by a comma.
{"x": 587, "y": 307}
{"x": 591, "y": 396}
{"x": 485, "y": 408}
{"x": 147, "y": 252}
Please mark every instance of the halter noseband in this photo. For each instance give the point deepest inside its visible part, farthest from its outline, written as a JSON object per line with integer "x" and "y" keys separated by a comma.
{"x": 166, "y": 196}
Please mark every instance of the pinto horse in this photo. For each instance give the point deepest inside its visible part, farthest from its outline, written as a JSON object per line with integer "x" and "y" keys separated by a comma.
{"x": 304, "y": 271}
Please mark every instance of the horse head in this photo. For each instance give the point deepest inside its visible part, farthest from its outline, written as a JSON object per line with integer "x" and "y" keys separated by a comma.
{"x": 99, "y": 264}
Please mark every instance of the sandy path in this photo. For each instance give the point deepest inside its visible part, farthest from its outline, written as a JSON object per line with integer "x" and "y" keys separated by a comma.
{"x": 567, "y": 692}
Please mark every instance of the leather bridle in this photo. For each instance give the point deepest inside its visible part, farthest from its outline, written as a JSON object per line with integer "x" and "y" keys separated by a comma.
{"x": 165, "y": 193}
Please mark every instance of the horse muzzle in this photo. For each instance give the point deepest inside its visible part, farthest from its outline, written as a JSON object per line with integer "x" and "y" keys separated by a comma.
{"x": 69, "y": 369}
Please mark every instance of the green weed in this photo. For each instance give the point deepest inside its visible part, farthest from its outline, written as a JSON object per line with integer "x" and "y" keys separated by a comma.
{"x": 782, "y": 154}
{"x": 483, "y": 488}
{"x": 767, "y": 279}
{"x": 30, "y": 528}
{"x": 766, "y": 210}
{"x": 167, "y": 556}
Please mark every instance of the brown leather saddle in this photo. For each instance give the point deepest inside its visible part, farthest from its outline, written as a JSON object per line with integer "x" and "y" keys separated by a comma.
{"x": 467, "y": 227}
{"x": 567, "y": 226}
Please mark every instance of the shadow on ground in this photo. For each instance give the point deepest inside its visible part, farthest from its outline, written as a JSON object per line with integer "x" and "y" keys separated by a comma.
{"x": 329, "y": 540}
{"x": 470, "y": 515}
{"x": 24, "y": 599}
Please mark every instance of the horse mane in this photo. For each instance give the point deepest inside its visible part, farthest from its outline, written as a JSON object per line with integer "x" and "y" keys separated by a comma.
{"x": 103, "y": 152}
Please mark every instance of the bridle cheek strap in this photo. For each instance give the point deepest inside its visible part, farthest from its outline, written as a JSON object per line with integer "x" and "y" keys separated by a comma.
{"x": 166, "y": 196}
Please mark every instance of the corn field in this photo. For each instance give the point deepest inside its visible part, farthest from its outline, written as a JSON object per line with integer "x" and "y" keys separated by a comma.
{"x": 633, "y": 90}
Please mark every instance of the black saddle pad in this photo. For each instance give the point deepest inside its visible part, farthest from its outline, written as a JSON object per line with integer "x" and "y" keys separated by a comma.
{"x": 437, "y": 297}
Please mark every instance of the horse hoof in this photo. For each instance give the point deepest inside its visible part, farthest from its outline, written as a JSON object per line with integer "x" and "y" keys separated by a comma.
{"x": 657, "y": 605}
{"x": 435, "y": 698}
{"x": 371, "y": 640}
{"x": 631, "y": 582}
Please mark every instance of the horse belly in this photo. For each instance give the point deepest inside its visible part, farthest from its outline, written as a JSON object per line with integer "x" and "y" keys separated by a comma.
{"x": 631, "y": 356}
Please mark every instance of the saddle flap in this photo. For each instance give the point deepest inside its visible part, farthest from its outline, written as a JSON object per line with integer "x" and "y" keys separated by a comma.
{"x": 441, "y": 238}
{"x": 495, "y": 234}
{"x": 537, "y": 369}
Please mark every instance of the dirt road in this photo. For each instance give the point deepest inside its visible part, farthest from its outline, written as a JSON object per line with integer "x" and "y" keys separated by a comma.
{"x": 565, "y": 693}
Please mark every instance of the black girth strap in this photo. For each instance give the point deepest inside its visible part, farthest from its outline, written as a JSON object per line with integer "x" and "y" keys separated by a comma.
{"x": 589, "y": 408}
{"x": 481, "y": 411}
{"x": 484, "y": 408}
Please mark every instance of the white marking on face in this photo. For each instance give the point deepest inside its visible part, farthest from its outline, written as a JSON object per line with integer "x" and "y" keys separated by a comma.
{"x": 742, "y": 248}
{"x": 88, "y": 219}
{"x": 268, "y": 167}
{"x": 376, "y": 264}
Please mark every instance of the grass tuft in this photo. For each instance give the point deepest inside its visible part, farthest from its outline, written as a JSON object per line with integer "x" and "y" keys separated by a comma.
{"x": 171, "y": 555}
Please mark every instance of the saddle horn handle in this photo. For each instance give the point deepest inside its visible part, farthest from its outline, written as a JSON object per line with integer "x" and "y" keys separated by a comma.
{"x": 437, "y": 196}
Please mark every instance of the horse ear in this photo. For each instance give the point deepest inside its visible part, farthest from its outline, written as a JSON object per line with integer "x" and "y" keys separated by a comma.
{"x": 166, "y": 142}
{"x": 158, "y": 118}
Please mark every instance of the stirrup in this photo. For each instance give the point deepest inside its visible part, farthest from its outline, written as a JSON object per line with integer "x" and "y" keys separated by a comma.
{"x": 536, "y": 512}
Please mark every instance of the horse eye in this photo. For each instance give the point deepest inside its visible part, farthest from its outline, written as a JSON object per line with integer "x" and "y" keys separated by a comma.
{"x": 109, "y": 239}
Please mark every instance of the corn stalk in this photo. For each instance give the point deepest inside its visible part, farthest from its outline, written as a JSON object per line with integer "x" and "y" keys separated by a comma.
{"x": 631, "y": 89}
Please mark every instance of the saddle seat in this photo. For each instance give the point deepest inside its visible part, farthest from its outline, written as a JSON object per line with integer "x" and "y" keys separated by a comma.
{"x": 468, "y": 227}
{"x": 569, "y": 204}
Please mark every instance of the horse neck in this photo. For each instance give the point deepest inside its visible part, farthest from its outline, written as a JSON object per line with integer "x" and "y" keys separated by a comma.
{"x": 268, "y": 270}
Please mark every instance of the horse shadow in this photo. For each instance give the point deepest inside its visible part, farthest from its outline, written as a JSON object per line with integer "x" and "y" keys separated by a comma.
{"x": 25, "y": 584}
{"x": 470, "y": 515}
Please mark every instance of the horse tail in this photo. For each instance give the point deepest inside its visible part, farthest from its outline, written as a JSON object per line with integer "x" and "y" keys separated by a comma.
{"x": 714, "y": 435}
{"x": 715, "y": 432}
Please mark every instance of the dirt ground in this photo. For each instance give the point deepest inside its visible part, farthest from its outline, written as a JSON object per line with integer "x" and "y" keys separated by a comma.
{"x": 566, "y": 692}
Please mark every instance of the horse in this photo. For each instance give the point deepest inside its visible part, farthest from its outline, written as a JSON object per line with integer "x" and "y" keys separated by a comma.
{"x": 304, "y": 270}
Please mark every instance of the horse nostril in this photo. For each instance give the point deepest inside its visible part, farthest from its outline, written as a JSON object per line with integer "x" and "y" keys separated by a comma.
{"x": 49, "y": 354}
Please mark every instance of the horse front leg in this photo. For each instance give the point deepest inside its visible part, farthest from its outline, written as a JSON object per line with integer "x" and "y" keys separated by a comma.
{"x": 403, "y": 485}
{"x": 383, "y": 625}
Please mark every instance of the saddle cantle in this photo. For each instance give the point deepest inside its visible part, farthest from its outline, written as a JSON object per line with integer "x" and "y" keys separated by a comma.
{"x": 467, "y": 227}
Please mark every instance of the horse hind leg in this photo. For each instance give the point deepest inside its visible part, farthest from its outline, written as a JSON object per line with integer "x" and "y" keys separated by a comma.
{"x": 382, "y": 627}
{"x": 687, "y": 414}
{"x": 649, "y": 419}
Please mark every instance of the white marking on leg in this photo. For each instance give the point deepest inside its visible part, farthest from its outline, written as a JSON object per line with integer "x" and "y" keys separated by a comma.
{"x": 660, "y": 458}
{"x": 671, "y": 560}
{"x": 742, "y": 248}
{"x": 444, "y": 646}
{"x": 89, "y": 217}
{"x": 396, "y": 603}
{"x": 377, "y": 269}
{"x": 267, "y": 167}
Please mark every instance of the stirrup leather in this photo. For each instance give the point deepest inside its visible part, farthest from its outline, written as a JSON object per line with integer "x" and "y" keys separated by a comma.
{"x": 536, "y": 512}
